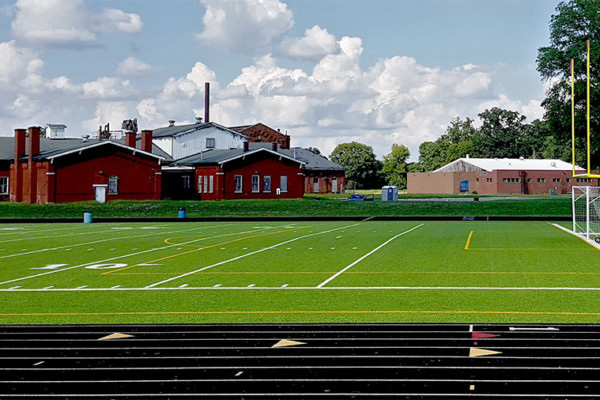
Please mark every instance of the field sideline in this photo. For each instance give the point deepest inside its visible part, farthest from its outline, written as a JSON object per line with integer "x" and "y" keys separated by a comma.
{"x": 342, "y": 271}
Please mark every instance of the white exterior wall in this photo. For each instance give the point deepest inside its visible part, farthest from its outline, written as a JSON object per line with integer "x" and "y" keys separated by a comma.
{"x": 195, "y": 142}
{"x": 165, "y": 144}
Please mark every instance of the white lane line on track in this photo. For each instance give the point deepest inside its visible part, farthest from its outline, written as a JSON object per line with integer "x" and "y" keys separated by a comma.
{"x": 326, "y": 281}
{"x": 246, "y": 255}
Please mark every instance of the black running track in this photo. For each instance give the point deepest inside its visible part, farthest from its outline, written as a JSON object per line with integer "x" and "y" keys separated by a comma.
{"x": 399, "y": 361}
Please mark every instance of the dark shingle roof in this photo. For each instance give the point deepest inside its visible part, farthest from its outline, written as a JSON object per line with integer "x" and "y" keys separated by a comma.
{"x": 50, "y": 148}
{"x": 178, "y": 130}
{"x": 223, "y": 156}
{"x": 310, "y": 160}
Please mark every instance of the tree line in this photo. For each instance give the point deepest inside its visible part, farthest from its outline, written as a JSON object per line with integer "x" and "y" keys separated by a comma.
{"x": 504, "y": 133}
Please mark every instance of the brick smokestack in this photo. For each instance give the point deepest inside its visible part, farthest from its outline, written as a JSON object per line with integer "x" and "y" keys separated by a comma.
{"x": 34, "y": 141}
{"x": 17, "y": 178}
{"x": 206, "y": 101}
{"x": 130, "y": 139}
{"x": 20, "y": 136}
{"x": 34, "y": 149}
{"x": 246, "y": 146}
{"x": 274, "y": 146}
{"x": 147, "y": 141}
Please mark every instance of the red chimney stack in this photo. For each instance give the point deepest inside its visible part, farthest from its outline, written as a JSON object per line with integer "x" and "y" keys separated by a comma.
{"x": 130, "y": 139}
{"x": 147, "y": 141}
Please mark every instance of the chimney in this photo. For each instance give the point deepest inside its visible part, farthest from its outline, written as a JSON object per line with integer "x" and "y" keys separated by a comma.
{"x": 34, "y": 141}
{"x": 206, "y": 100}
{"x": 287, "y": 141}
{"x": 16, "y": 180}
{"x": 274, "y": 146}
{"x": 34, "y": 149}
{"x": 20, "y": 135}
{"x": 246, "y": 146}
{"x": 147, "y": 141}
{"x": 171, "y": 122}
{"x": 130, "y": 139}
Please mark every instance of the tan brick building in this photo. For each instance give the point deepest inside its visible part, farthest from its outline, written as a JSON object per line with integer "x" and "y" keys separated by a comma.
{"x": 499, "y": 176}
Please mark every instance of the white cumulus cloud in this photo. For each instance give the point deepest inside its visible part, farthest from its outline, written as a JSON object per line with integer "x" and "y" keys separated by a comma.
{"x": 131, "y": 66}
{"x": 67, "y": 22}
{"x": 244, "y": 25}
{"x": 315, "y": 44}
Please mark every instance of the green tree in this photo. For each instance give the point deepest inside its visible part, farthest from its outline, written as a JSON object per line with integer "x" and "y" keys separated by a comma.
{"x": 394, "y": 166}
{"x": 500, "y": 134}
{"x": 575, "y": 22}
{"x": 362, "y": 168}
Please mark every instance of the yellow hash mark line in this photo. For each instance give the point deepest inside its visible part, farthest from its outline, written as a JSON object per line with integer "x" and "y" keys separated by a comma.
{"x": 445, "y": 312}
{"x": 469, "y": 240}
{"x": 176, "y": 244}
{"x": 191, "y": 251}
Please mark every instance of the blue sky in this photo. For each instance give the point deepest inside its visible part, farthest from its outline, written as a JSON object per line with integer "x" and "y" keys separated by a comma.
{"x": 326, "y": 71}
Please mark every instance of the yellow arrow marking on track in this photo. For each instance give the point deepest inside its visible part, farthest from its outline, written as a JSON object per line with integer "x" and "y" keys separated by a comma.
{"x": 475, "y": 352}
{"x": 116, "y": 336}
{"x": 287, "y": 343}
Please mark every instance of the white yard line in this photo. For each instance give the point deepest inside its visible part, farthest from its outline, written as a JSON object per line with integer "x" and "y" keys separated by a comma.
{"x": 122, "y": 256}
{"x": 590, "y": 242}
{"x": 246, "y": 255}
{"x": 101, "y": 241}
{"x": 234, "y": 288}
{"x": 325, "y": 282}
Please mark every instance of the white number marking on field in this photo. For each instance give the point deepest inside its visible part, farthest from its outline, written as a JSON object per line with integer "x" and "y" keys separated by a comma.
{"x": 106, "y": 266}
{"x": 51, "y": 266}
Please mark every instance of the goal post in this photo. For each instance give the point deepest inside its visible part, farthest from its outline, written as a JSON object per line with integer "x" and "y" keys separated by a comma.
{"x": 586, "y": 212}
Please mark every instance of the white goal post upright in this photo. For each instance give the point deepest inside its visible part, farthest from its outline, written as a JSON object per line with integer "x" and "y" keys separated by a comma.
{"x": 586, "y": 211}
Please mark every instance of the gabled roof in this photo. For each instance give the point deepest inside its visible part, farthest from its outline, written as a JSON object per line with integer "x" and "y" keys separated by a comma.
{"x": 224, "y": 156}
{"x": 515, "y": 164}
{"x": 53, "y": 148}
{"x": 180, "y": 130}
{"x": 56, "y": 151}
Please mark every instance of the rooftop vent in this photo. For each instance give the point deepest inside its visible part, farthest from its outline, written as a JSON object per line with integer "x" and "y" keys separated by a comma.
{"x": 198, "y": 120}
{"x": 171, "y": 122}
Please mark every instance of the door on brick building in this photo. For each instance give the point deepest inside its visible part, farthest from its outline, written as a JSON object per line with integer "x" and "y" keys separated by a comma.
{"x": 316, "y": 185}
{"x": 100, "y": 193}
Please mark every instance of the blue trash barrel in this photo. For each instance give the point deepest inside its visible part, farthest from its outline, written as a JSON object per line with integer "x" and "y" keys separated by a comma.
{"x": 181, "y": 212}
{"x": 87, "y": 218}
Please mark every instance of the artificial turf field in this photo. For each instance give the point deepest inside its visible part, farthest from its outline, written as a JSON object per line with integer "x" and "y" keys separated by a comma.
{"x": 309, "y": 271}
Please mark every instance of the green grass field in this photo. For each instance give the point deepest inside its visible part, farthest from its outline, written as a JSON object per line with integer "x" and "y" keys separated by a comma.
{"x": 296, "y": 272}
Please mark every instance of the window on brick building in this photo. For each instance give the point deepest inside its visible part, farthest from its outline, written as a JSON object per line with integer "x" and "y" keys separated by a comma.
{"x": 488, "y": 180}
{"x": 186, "y": 182}
{"x": 211, "y": 183}
{"x": 511, "y": 180}
{"x": 200, "y": 179}
{"x": 3, "y": 184}
{"x": 266, "y": 183}
{"x": 283, "y": 183}
{"x": 541, "y": 180}
{"x": 113, "y": 184}
{"x": 555, "y": 180}
{"x": 238, "y": 184}
{"x": 255, "y": 183}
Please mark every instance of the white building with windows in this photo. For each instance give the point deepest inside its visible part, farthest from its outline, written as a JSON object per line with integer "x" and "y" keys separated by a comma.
{"x": 180, "y": 141}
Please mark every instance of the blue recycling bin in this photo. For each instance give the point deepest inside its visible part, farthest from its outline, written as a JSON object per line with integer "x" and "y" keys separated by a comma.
{"x": 87, "y": 218}
{"x": 181, "y": 212}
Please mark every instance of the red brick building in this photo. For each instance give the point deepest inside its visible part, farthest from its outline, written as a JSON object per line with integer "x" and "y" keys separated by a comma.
{"x": 262, "y": 133}
{"x": 499, "y": 176}
{"x": 63, "y": 170}
{"x": 260, "y": 173}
